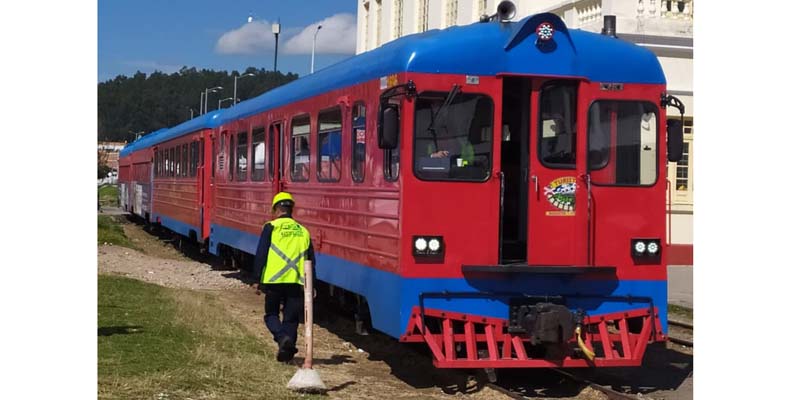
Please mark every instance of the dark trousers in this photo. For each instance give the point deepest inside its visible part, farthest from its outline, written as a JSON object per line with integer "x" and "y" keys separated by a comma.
{"x": 291, "y": 295}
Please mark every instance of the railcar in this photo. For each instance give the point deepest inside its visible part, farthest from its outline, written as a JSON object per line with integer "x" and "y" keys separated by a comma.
{"x": 495, "y": 191}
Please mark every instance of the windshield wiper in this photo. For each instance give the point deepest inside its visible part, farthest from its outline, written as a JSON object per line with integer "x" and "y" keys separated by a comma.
{"x": 447, "y": 101}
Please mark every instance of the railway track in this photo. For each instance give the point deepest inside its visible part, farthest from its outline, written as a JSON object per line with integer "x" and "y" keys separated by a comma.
{"x": 683, "y": 326}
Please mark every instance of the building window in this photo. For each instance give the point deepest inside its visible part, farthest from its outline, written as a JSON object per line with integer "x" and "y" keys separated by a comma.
{"x": 398, "y": 19}
{"x": 481, "y": 8}
{"x": 241, "y": 156}
{"x": 301, "y": 161}
{"x": 259, "y": 154}
{"x": 359, "y": 141}
{"x": 451, "y": 13}
{"x": 422, "y": 16}
{"x": 366, "y": 26}
{"x": 681, "y": 172}
{"x": 329, "y": 145}
{"x": 378, "y": 18}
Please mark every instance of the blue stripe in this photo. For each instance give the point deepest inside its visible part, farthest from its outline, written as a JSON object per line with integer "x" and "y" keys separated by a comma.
{"x": 391, "y": 297}
{"x": 177, "y": 226}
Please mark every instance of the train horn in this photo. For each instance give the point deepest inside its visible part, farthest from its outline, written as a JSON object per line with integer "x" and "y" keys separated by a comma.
{"x": 506, "y": 11}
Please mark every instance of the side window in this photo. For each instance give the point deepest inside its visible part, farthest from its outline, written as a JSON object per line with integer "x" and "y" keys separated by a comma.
{"x": 359, "y": 141}
{"x": 193, "y": 156}
{"x": 557, "y": 132}
{"x": 258, "y": 150}
{"x": 300, "y": 151}
{"x": 241, "y": 156}
{"x": 172, "y": 161}
{"x": 329, "y": 145}
{"x": 391, "y": 163}
{"x": 231, "y": 158}
{"x": 184, "y": 159}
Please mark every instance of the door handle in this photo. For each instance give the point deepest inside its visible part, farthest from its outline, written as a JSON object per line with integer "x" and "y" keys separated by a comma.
{"x": 535, "y": 180}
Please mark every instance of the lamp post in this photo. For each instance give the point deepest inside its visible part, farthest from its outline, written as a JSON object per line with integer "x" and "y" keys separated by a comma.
{"x": 219, "y": 103}
{"x": 314, "y": 47}
{"x": 276, "y": 29}
{"x": 212, "y": 90}
{"x": 201, "y": 104}
{"x": 235, "y": 83}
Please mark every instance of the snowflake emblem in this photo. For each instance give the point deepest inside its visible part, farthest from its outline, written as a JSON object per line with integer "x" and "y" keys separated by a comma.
{"x": 545, "y": 31}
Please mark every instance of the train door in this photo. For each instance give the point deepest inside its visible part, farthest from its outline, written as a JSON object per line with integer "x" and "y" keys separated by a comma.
{"x": 514, "y": 161}
{"x": 557, "y": 202}
{"x": 276, "y": 155}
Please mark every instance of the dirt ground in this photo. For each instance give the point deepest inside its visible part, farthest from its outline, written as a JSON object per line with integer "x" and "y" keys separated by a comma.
{"x": 352, "y": 366}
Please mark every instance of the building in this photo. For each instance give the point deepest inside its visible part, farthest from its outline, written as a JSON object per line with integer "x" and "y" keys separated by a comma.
{"x": 109, "y": 151}
{"x": 663, "y": 26}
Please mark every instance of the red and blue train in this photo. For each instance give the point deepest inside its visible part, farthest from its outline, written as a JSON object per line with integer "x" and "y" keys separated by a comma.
{"x": 495, "y": 191}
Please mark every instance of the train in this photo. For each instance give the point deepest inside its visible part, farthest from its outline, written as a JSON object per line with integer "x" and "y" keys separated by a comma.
{"x": 495, "y": 191}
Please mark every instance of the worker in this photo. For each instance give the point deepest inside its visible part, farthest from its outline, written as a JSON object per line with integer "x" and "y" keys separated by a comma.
{"x": 282, "y": 249}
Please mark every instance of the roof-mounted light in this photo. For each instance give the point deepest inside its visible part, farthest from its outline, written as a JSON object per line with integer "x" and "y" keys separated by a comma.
{"x": 545, "y": 31}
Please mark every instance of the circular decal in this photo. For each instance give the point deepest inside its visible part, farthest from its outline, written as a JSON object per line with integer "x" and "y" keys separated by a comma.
{"x": 561, "y": 193}
{"x": 545, "y": 31}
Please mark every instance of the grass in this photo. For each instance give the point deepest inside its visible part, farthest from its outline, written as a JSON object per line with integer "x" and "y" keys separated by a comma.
{"x": 110, "y": 231}
{"x": 156, "y": 342}
{"x": 109, "y": 195}
{"x": 682, "y": 313}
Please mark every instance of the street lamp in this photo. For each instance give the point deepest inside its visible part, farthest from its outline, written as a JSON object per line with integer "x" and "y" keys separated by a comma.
{"x": 314, "y": 46}
{"x": 219, "y": 103}
{"x": 212, "y": 90}
{"x": 276, "y": 29}
{"x": 235, "y": 81}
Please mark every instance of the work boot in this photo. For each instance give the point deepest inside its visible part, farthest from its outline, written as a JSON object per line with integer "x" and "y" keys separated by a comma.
{"x": 286, "y": 349}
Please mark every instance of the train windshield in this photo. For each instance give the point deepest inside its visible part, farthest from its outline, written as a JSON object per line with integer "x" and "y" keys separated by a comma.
{"x": 623, "y": 143}
{"x": 453, "y": 139}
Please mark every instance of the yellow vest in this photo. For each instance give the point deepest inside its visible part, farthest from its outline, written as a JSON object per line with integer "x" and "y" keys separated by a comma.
{"x": 287, "y": 253}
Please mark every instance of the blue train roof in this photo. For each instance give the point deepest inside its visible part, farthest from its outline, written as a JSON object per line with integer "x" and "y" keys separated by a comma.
{"x": 208, "y": 120}
{"x": 478, "y": 49}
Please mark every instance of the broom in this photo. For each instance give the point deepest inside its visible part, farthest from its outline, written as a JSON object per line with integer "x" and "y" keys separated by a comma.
{"x": 307, "y": 379}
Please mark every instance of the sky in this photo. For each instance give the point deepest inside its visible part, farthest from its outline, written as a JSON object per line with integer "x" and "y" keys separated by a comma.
{"x": 149, "y": 35}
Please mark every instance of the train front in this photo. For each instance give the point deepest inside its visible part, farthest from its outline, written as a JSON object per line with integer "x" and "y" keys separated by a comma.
{"x": 534, "y": 224}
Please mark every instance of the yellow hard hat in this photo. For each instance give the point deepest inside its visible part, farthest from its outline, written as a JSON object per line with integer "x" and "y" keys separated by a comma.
{"x": 282, "y": 196}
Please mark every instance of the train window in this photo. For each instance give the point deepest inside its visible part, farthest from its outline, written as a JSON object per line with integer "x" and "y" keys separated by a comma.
{"x": 258, "y": 149}
{"x": 453, "y": 137}
{"x": 623, "y": 143}
{"x": 231, "y": 158}
{"x": 301, "y": 162}
{"x": 329, "y": 145}
{"x": 359, "y": 141}
{"x": 241, "y": 156}
{"x": 172, "y": 162}
{"x": 184, "y": 160}
{"x": 157, "y": 163}
{"x": 557, "y": 132}
{"x": 193, "y": 159}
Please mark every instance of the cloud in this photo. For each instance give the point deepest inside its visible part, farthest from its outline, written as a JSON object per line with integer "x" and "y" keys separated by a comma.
{"x": 337, "y": 36}
{"x": 251, "y": 38}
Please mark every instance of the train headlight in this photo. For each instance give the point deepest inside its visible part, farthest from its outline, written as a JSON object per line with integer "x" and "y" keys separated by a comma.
{"x": 428, "y": 245}
{"x": 647, "y": 250}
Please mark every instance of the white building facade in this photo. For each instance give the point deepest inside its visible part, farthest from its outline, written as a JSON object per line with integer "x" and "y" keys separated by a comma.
{"x": 663, "y": 26}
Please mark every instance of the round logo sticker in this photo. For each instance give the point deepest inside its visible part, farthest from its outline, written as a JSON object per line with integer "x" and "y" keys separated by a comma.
{"x": 561, "y": 193}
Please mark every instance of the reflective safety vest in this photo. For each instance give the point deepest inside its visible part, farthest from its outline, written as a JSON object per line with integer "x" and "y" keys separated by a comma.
{"x": 287, "y": 253}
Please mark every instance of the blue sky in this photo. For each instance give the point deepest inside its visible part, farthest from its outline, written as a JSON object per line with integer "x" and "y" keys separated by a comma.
{"x": 146, "y": 35}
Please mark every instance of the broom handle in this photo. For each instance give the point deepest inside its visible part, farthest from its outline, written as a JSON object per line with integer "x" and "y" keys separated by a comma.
{"x": 309, "y": 311}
